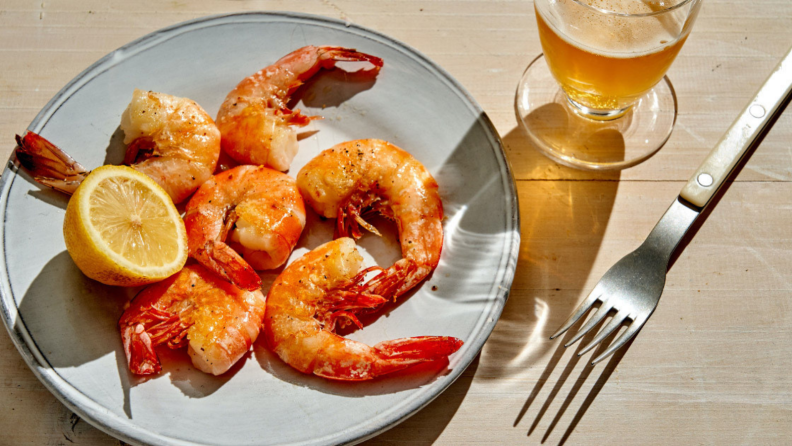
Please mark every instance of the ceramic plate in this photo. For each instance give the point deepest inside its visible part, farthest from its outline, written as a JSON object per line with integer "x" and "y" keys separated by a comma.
{"x": 64, "y": 324}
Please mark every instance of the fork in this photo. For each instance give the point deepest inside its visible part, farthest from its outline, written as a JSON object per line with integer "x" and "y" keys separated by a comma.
{"x": 632, "y": 287}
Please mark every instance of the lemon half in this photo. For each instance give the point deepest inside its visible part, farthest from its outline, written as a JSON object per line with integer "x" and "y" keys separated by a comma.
{"x": 121, "y": 228}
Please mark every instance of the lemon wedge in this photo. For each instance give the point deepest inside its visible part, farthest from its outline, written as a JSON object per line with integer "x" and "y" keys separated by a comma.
{"x": 121, "y": 228}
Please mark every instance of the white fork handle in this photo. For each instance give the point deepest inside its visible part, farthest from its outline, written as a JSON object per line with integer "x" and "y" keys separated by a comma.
{"x": 740, "y": 137}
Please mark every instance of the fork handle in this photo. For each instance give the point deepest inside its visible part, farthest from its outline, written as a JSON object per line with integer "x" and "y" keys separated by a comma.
{"x": 754, "y": 121}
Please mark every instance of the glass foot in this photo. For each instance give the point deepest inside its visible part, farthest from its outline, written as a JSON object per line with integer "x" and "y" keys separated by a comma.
{"x": 567, "y": 137}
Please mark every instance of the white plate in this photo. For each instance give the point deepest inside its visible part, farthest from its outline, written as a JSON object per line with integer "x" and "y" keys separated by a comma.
{"x": 64, "y": 324}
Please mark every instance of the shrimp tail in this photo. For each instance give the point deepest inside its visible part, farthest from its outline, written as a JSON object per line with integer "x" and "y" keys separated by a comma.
{"x": 48, "y": 164}
{"x": 220, "y": 258}
{"x": 399, "y": 354}
{"x": 139, "y": 351}
{"x": 420, "y": 348}
{"x": 140, "y": 340}
{"x": 332, "y": 54}
{"x": 389, "y": 357}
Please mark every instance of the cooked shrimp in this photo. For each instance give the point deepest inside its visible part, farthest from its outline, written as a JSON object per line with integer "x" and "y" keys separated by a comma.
{"x": 254, "y": 120}
{"x": 371, "y": 175}
{"x": 217, "y": 321}
{"x": 258, "y": 209}
{"x": 170, "y": 139}
{"x": 309, "y": 297}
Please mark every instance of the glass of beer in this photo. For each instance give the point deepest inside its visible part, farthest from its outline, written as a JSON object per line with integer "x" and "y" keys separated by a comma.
{"x": 598, "y": 98}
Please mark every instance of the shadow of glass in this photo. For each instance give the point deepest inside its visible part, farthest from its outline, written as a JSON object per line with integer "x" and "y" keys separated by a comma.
{"x": 577, "y": 137}
{"x": 564, "y": 215}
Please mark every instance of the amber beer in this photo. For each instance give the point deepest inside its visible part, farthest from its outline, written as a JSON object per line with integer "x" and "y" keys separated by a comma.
{"x": 604, "y": 62}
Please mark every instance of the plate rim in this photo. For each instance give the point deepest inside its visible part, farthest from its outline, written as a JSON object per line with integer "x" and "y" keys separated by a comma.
{"x": 126, "y": 429}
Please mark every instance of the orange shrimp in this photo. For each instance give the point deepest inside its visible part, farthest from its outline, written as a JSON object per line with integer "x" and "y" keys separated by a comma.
{"x": 254, "y": 120}
{"x": 259, "y": 210}
{"x": 215, "y": 320}
{"x": 371, "y": 175}
{"x": 170, "y": 139}
{"x": 309, "y": 297}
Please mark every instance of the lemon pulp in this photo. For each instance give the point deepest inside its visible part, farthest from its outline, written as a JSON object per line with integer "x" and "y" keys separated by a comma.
{"x": 121, "y": 228}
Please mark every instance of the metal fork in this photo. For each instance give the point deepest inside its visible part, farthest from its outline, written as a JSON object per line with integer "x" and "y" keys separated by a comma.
{"x": 632, "y": 287}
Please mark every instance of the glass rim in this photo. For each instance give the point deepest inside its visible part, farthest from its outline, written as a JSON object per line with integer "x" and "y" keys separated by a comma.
{"x": 643, "y": 14}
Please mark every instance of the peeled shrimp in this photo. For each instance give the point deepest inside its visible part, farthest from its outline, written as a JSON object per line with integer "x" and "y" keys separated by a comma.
{"x": 309, "y": 297}
{"x": 172, "y": 140}
{"x": 215, "y": 320}
{"x": 254, "y": 120}
{"x": 258, "y": 211}
{"x": 371, "y": 175}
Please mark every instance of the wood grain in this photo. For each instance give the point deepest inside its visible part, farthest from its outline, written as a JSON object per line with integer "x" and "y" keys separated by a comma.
{"x": 710, "y": 367}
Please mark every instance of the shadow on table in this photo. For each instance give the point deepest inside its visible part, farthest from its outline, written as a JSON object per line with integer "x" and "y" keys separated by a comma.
{"x": 564, "y": 215}
{"x": 616, "y": 358}
{"x": 428, "y": 424}
{"x": 570, "y": 366}
{"x": 563, "y": 220}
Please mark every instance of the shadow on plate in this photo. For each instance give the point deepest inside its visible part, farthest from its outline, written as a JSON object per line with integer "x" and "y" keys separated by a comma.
{"x": 564, "y": 215}
{"x": 116, "y": 149}
{"x": 88, "y": 312}
{"x": 331, "y": 88}
{"x": 87, "y": 329}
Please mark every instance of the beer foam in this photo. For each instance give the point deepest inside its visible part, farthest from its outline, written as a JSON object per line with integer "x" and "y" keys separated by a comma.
{"x": 612, "y": 35}
{"x": 631, "y": 6}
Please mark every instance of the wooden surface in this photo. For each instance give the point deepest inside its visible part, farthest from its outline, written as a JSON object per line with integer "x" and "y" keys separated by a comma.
{"x": 710, "y": 367}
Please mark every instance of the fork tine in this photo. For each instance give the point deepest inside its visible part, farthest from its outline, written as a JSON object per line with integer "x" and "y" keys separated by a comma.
{"x": 614, "y": 323}
{"x": 579, "y": 311}
{"x": 596, "y": 319}
{"x": 623, "y": 339}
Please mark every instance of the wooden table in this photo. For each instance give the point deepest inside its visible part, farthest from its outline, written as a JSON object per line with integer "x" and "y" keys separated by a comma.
{"x": 711, "y": 366}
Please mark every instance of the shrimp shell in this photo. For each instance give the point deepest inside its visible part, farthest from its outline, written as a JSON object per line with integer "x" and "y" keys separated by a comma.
{"x": 257, "y": 210}
{"x": 371, "y": 175}
{"x": 170, "y": 139}
{"x": 308, "y": 298}
{"x": 217, "y": 321}
{"x": 256, "y": 123}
